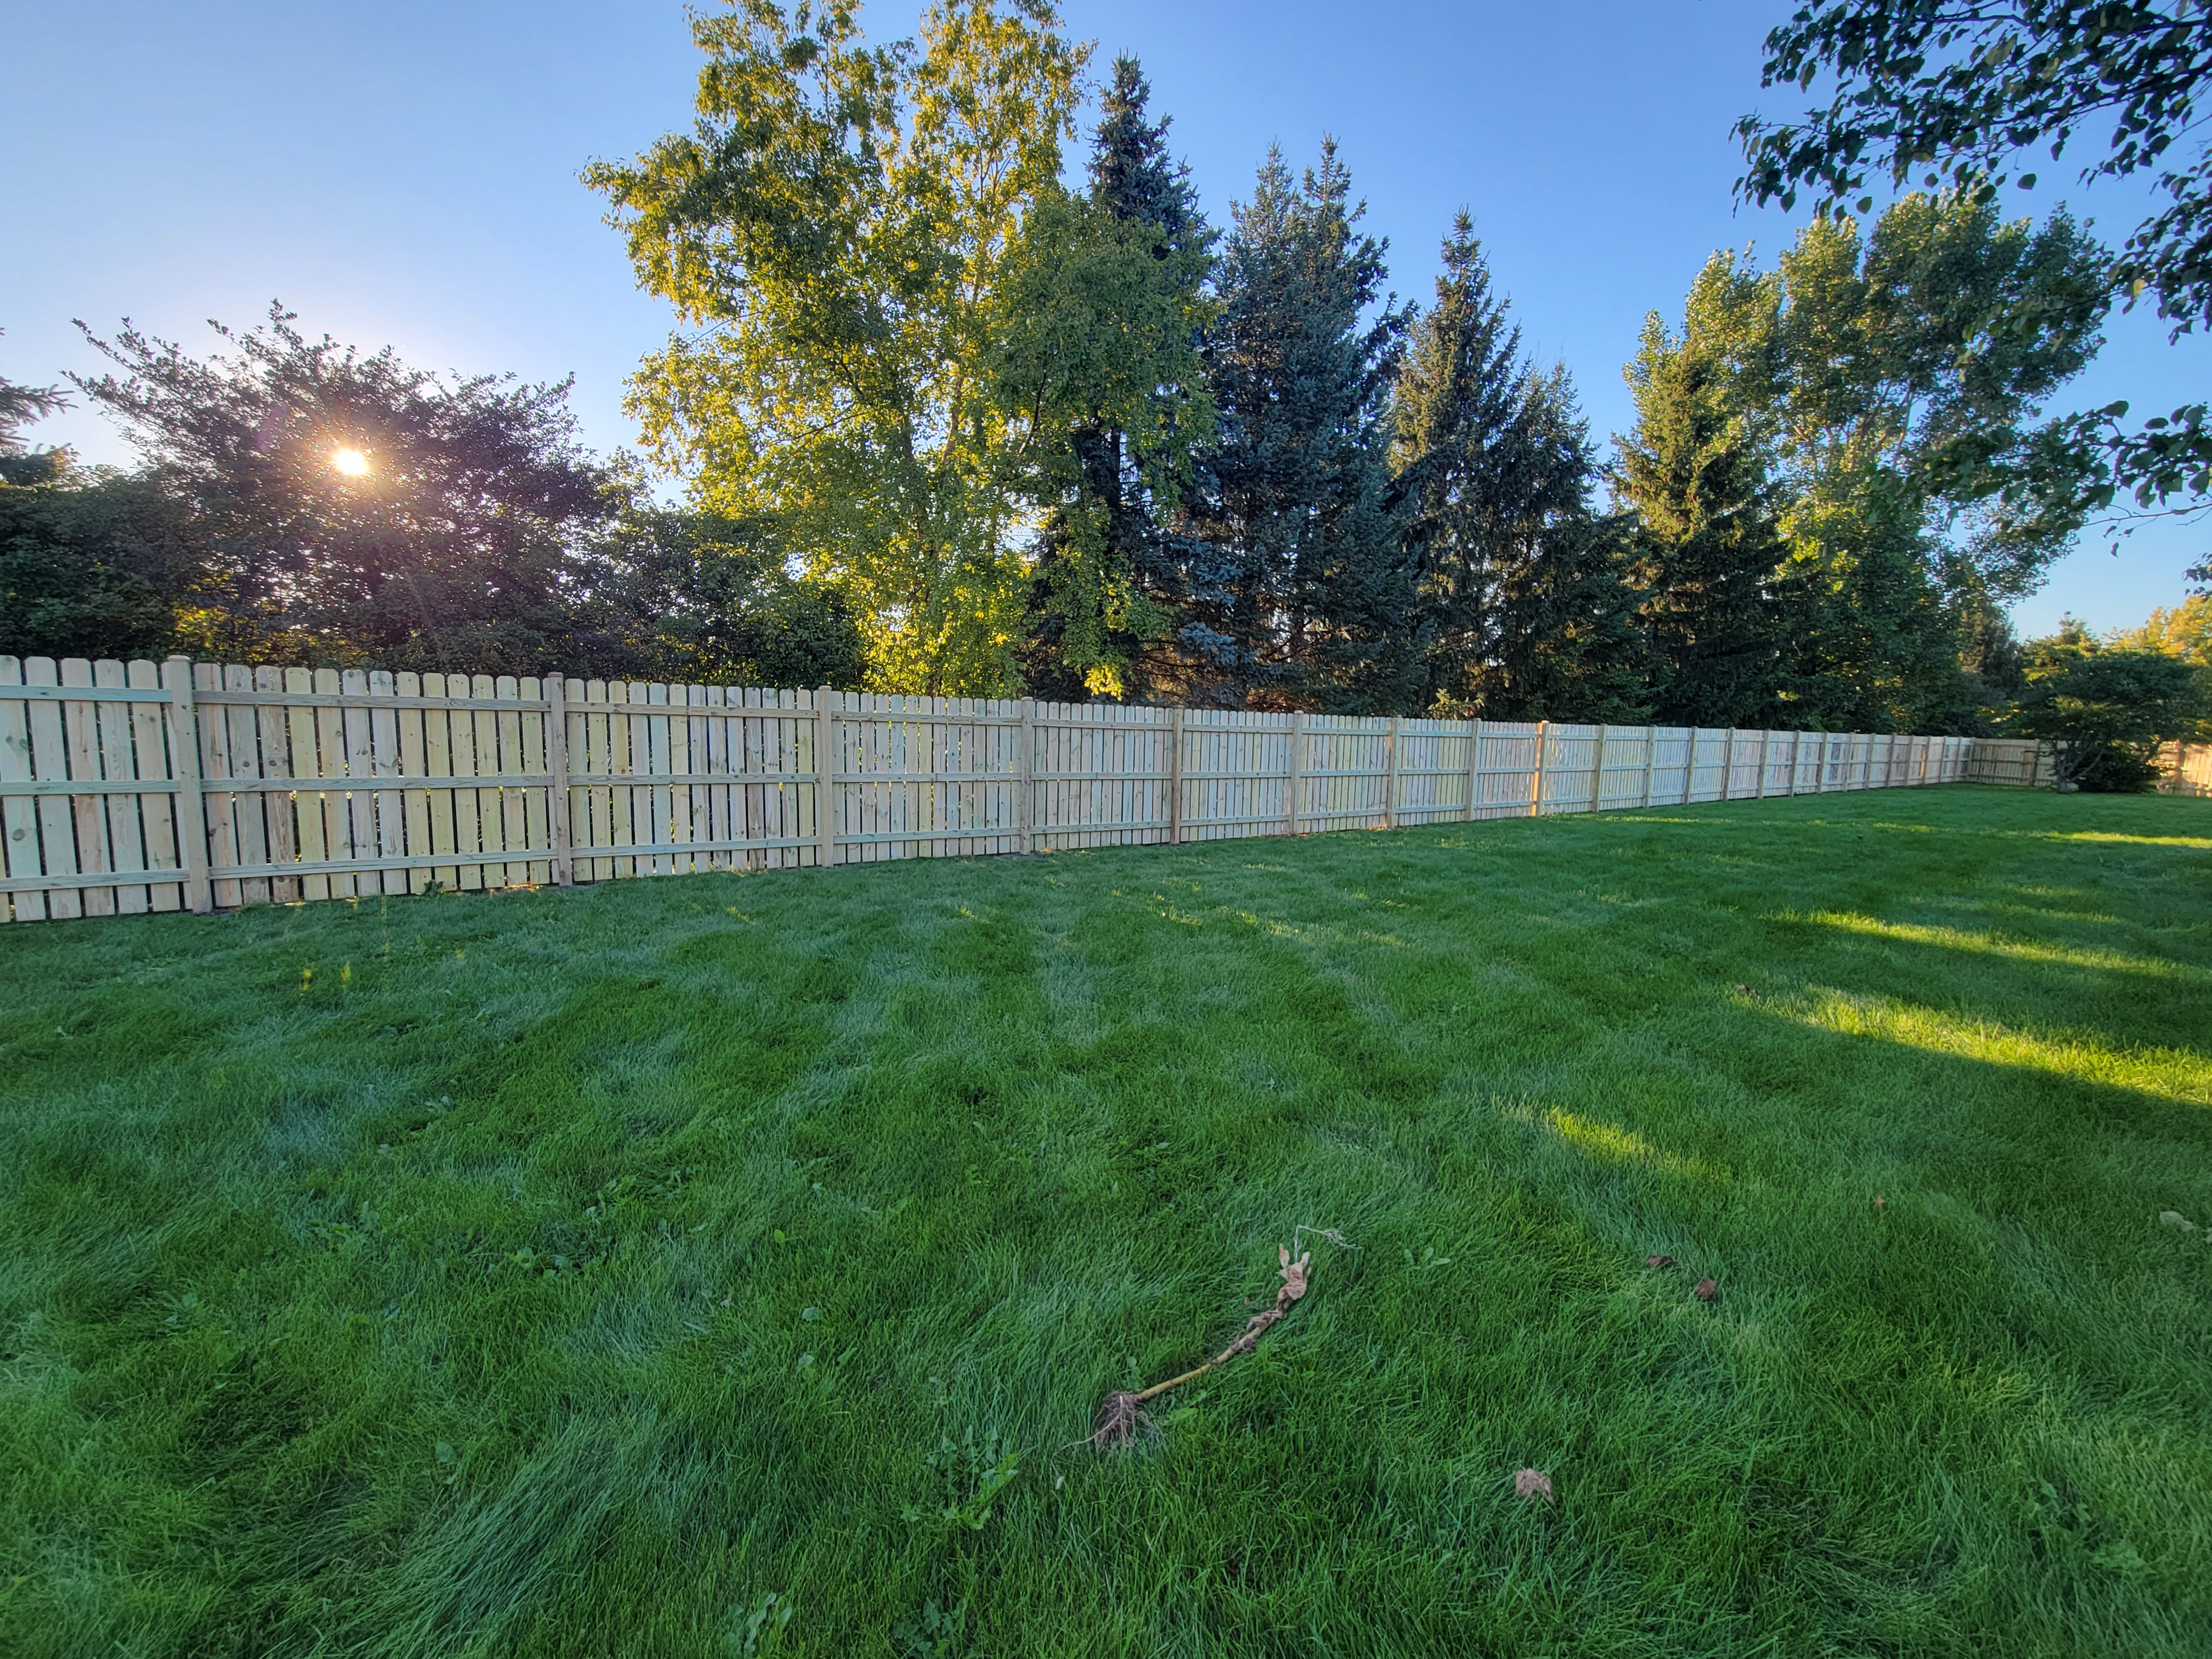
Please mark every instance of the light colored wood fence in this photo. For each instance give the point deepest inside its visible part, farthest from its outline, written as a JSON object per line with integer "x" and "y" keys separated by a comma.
{"x": 2187, "y": 768}
{"x": 2021, "y": 762}
{"x": 2024, "y": 762}
{"x": 127, "y": 787}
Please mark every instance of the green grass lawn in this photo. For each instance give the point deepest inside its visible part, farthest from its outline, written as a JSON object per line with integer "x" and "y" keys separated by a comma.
{"x": 614, "y": 1272}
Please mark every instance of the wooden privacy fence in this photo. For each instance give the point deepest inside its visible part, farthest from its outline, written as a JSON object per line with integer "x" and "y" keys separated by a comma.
{"x": 2023, "y": 762}
{"x": 2187, "y": 768}
{"x": 131, "y": 787}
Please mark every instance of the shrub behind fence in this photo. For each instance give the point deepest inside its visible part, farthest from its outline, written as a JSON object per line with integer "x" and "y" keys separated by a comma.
{"x": 131, "y": 787}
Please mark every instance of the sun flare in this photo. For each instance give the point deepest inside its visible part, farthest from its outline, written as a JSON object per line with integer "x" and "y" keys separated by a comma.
{"x": 351, "y": 462}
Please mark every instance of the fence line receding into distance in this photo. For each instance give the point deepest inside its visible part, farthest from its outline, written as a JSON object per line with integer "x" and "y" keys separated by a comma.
{"x": 128, "y": 787}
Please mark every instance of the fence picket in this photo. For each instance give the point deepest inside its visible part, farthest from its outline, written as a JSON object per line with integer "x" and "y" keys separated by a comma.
{"x": 2189, "y": 768}
{"x": 320, "y": 731}
{"x": 514, "y": 818}
{"x": 386, "y": 762}
{"x": 118, "y": 764}
{"x": 307, "y": 772}
{"x": 157, "y": 820}
{"x": 275, "y": 809}
{"x": 49, "y": 764}
{"x": 87, "y": 813}
{"x": 19, "y": 814}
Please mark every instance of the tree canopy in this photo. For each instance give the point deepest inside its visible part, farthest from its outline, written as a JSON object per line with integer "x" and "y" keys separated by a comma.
{"x": 1298, "y": 589}
{"x": 1097, "y": 373}
{"x": 449, "y": 542}
{"x": 1521, "y": 608}
{"x": 2108, "y": 710}
{"x": 942, "y": 413}
{"x": 1964, "y": 94}
{"x": 19, "y": 405}
{"x": 1869, "y": 416}
{"x": 835, "y": 229}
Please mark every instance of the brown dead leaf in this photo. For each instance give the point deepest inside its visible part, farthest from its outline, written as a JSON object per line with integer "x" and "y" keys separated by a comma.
{"x": 1533, "y": 1483}
{"x": 1879, "y": 1202}
{"x": 1707, "y": 1289}
{"x": 1744, "y": 990}
{"x": 1658, "y": 1260}
{"x": 1294, "y": 1276}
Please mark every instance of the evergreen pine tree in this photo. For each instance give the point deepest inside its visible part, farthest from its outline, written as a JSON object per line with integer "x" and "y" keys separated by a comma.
{"x": 1300, "y": 595}
{"x": 1520, "y": 601}
{"x": 1133, "y": 176}
{"x": 1561, "y": 638}
{"x": 1108, "y": 538}
{"x": 1707, "y": 547}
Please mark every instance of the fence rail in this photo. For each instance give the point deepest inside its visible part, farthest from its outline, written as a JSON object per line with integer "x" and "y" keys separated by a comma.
{"x": 128, "y": 787}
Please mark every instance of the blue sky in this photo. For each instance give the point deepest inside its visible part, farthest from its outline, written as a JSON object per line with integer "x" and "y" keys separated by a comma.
{"x": 406, "y": 174}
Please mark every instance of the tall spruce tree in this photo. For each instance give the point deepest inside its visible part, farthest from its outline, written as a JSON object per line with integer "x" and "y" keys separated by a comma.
{"x": 1520, "y": 600}
{"x": 1707, "y": 547}
{"x": 21, "y": 406}
{"x": 1098, "y": 364}
{"x": 1132, "y": 175}
{"x": 1562, "y": 639}
{"x": 1300, "y": 593}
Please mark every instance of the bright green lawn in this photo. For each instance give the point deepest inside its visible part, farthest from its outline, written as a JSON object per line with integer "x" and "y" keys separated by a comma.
{"x": 571, "y": 1272}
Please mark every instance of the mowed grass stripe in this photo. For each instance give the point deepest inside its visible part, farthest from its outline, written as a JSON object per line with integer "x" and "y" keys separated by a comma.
{"x": 572, "y": 1273}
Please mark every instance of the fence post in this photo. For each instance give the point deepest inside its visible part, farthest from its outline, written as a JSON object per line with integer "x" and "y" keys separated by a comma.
{"x": 1651, "y": 763}
{"x": 1296, "y": 785}
{"x": 1473, "y": 766}
{"x": 1175, "y": 780}
{"x": 1597, "y": 770}
{"x": 192, "y": 803}
{"x": 1025, "y": 777}
{"x": 1537, "y": 784}
{"x": 556, "y": 779}
{"x": 1727, "y": 766}
{"x": 1765, "y": 742}
{"x": 1390, "y": 784}
{"x": 825, "y": 781}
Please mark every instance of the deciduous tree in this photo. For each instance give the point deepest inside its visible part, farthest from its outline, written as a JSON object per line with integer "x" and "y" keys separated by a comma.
{"x": 679, "y": 594}
{"x": 1966, "y": 93}
{"x": 1875, "y": 406}
{"x": 834, "y": 231}
{"x": 341, "y": 506}
{"x": 91, "y": 565}
{"x": 2107, "y": 711}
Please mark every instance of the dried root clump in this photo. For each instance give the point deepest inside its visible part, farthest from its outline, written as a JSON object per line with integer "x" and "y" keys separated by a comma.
{"x": 1120, "y": 1415}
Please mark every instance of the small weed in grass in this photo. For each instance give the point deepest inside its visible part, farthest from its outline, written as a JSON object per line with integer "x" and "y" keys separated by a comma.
{"x": 649, "y": 1270}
